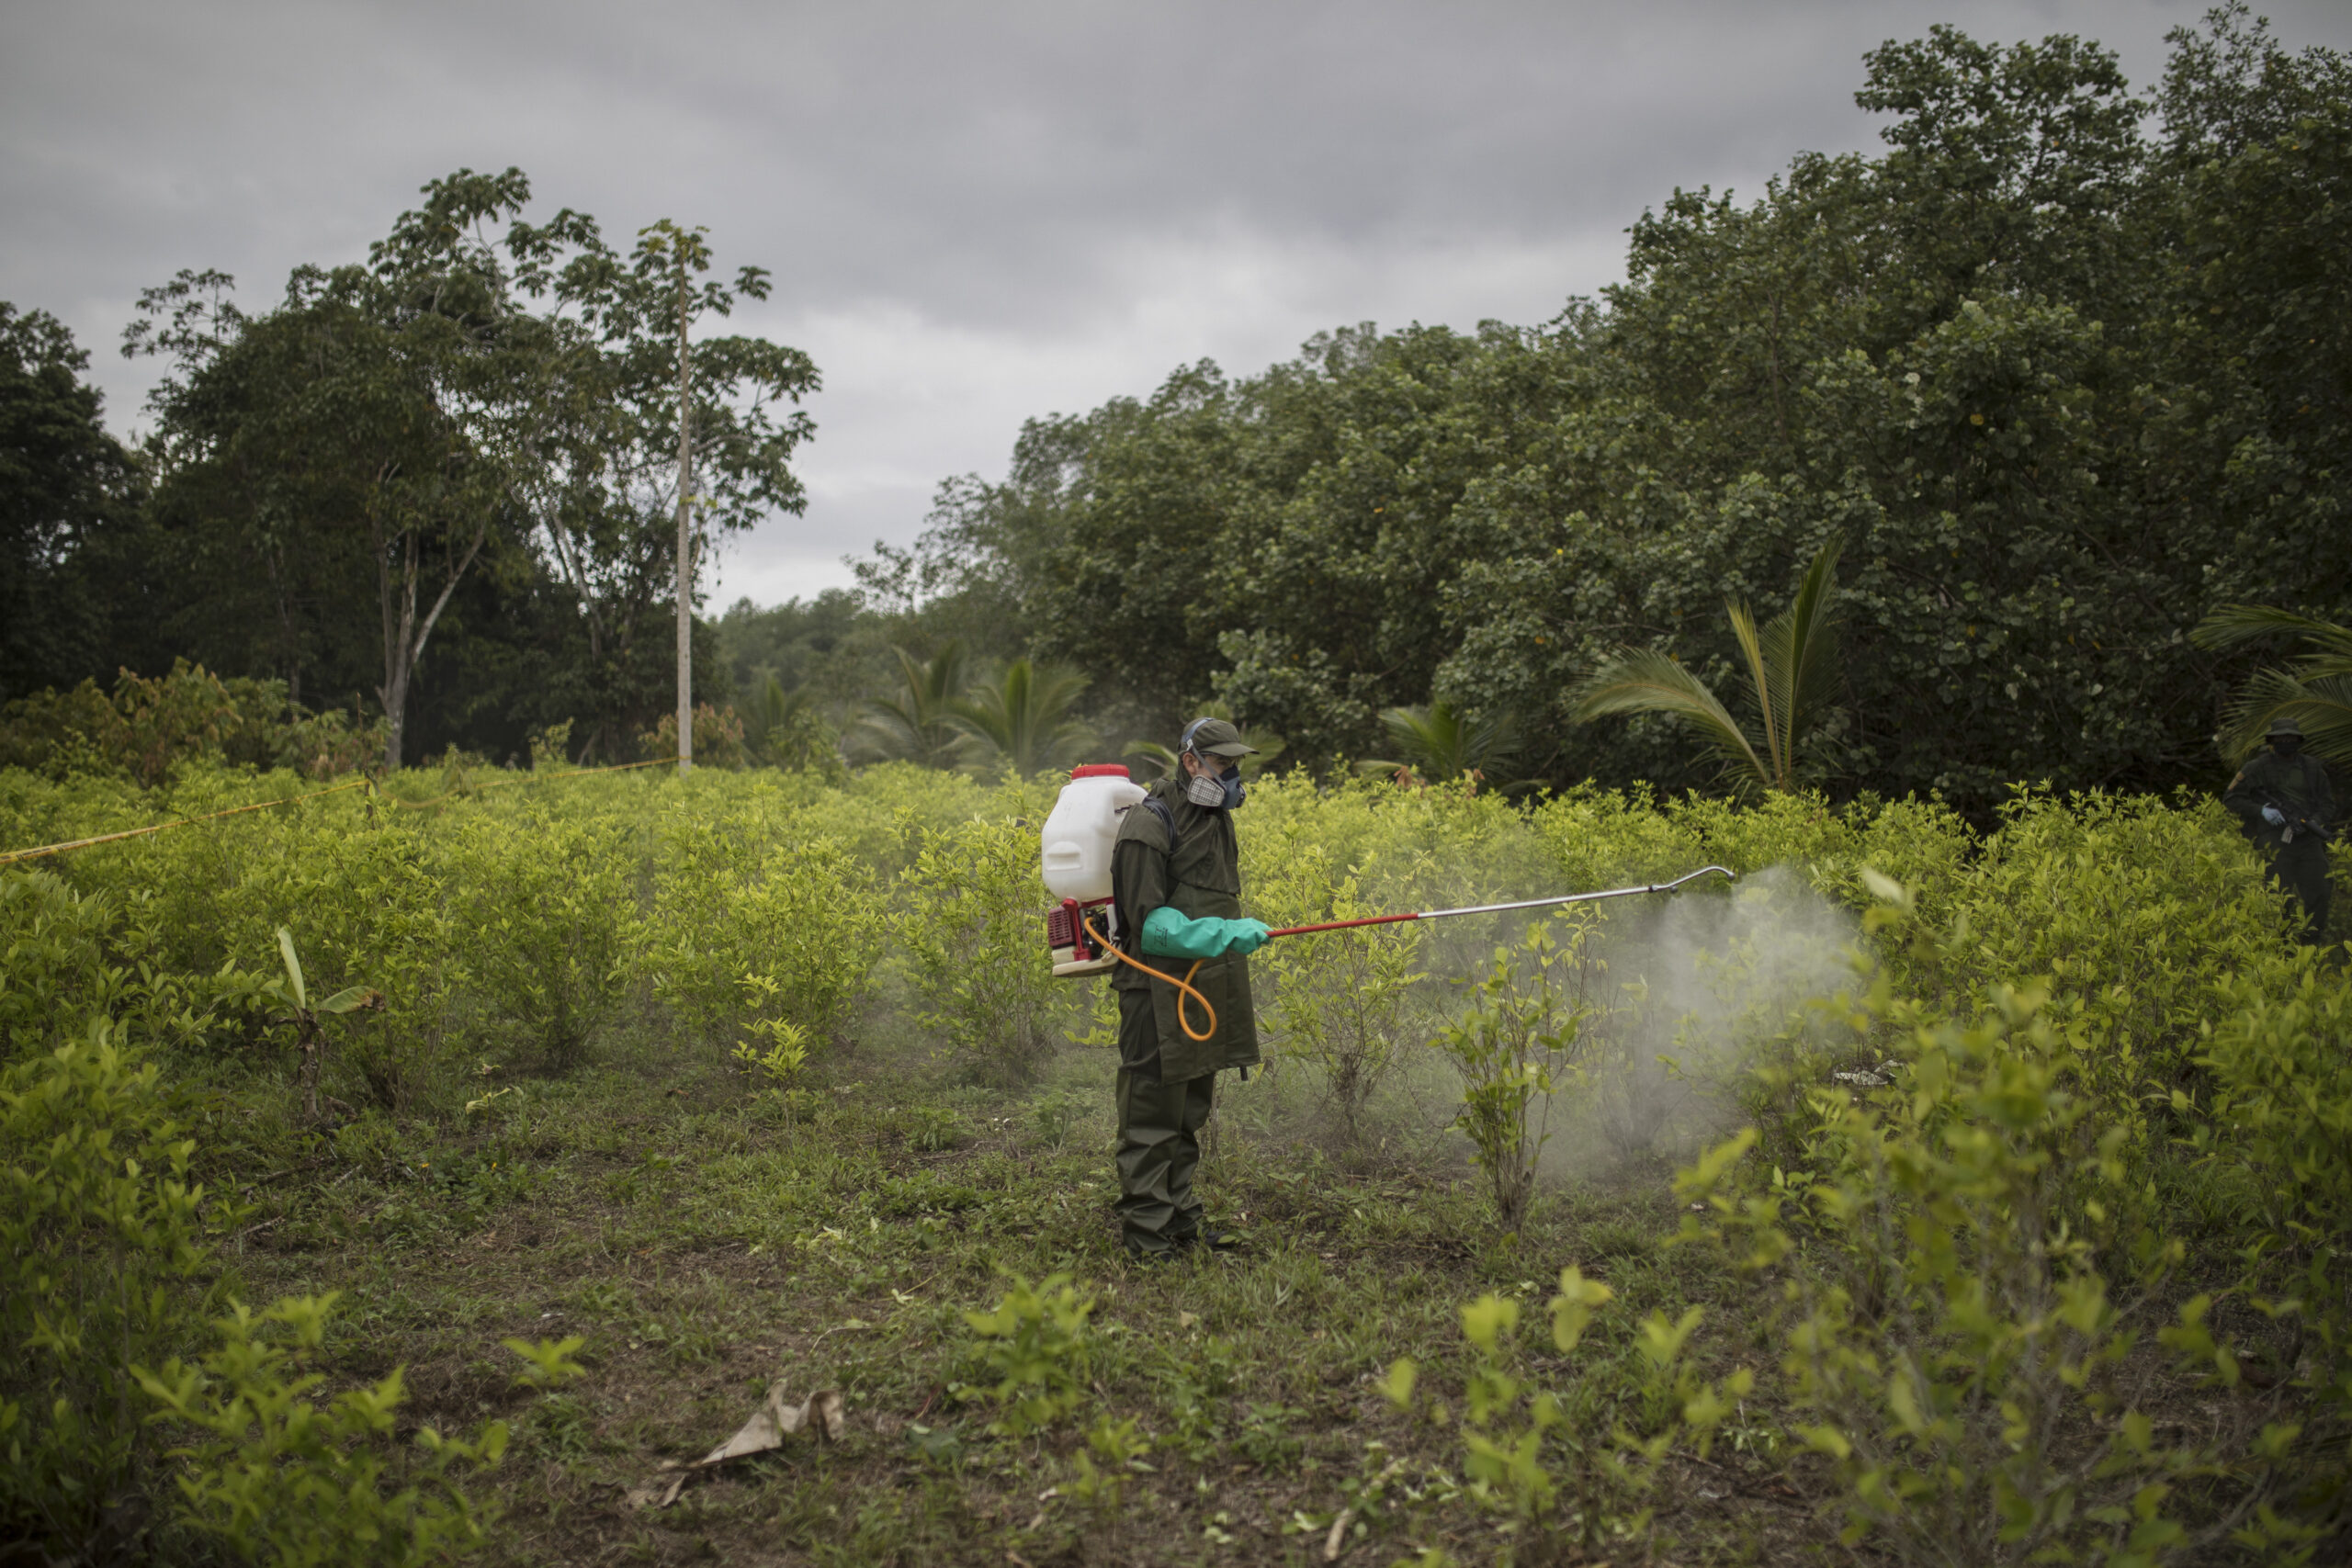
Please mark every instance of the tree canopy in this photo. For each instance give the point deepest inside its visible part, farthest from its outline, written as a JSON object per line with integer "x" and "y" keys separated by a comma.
{"x": 2063, "y": 384}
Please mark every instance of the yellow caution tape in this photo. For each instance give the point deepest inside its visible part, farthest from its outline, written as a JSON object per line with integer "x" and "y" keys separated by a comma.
{"x": 10, "y": 857}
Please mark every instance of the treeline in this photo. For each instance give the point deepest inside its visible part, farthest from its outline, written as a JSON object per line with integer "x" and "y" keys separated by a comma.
{"x": 2064, "y": 369}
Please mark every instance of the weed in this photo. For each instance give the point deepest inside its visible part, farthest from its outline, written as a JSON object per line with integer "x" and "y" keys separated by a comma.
{"x": 281, "y": 1478}
{"x": 1034, "y": 1345}
{"x": 1056, "y": 1113}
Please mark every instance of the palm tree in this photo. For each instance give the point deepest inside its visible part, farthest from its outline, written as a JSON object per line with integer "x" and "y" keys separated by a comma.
{"x": 2315, "y": 690}
{"x": 1791, "y": 676}
{"x": 917, "y": 725}
{"x": 1441, "y": 741}
{"x": 1022, "y": 720}
{"x": 787, "y": 729}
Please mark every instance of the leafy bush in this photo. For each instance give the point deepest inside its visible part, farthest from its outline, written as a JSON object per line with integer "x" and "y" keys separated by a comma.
{"x": 1950, "y": 1336}
{"x": 73, "y": 957}
{"x": 1517, "y": 1044}
{"x": 2280, "y": 1060}
{"x": 278, "y": 1479}
{"x": 546, "y": 902}
{"x": 751, "y": 922}
{"x": 1551, "y": 1484}
{"x": 101, "y": 1254}
{"x": 2138, "y": 912}
{"x": 719, "y": 737}
{"x": 371, "y": 911}
{"x": 1340, "y": 1002}
{"x": 973, "y": 936}
{"x": 147, "y": 729}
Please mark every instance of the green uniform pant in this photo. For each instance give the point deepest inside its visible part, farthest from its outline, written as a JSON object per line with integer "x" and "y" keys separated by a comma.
{"x": 2301, "y": 869}
{"x": 1160, "y": 1148}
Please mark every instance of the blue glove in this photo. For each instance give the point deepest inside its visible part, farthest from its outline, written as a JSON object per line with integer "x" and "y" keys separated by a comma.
{"x": 2275, "y": 816}
{"x": 1167, "y": 934}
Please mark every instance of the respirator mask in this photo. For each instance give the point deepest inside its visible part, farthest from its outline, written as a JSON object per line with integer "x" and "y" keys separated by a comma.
{"x": 1220, "y": 791}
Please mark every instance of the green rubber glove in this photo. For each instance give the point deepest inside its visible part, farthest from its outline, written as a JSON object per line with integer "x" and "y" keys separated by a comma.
{"x": 1167, "y": 934}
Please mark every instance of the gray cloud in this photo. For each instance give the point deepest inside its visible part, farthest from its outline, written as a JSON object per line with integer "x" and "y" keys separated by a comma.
{"x": 975, "y": 213}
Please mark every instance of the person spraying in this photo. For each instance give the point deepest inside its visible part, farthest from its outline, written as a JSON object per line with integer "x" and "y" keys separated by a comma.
{"x": 1176, "y": 895}
{"x": 1147, "y": 879}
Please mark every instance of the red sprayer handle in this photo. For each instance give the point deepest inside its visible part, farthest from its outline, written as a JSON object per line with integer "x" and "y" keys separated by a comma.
{"x": 1724, "y": 871}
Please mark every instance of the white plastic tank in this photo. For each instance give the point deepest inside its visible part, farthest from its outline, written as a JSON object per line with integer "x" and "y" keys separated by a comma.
{"x": 1075, "y": 851}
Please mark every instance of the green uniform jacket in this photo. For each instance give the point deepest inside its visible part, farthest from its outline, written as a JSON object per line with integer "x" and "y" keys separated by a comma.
{"x": 2299, "y": 780}
{"x": 1199, "y": 873}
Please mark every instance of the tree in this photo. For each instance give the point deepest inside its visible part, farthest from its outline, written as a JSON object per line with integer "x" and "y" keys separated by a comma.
{"x": 251, "y": 522}
{"x": 2061, "y": 386}
{"x": 370, "y": 401}
{"x": 1791, "y": 678}
{"x": 2315, "y": 690}
{"x": 468, "y": 399}
{"x": 787, "y": 729}
{"x": 1022, "y": 720}
{"x": 63, "y": 481}
{"x": 917, "y": 725}
{"x": 645, "y": 412}
{"x": 1438, "y": 741}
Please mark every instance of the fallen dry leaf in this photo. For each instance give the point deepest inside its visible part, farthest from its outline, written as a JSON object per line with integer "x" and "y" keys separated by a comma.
{"x": 764, "y": 1432}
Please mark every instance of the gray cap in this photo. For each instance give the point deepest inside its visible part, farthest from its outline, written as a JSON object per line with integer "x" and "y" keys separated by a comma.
{"x": 1214, "y": 735}
{"x": 2286, "y": 727}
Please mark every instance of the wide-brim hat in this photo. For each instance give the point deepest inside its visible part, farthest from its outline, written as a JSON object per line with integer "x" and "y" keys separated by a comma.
{"x": 2286, "y": 727}
{"x": 1216, "y": 736}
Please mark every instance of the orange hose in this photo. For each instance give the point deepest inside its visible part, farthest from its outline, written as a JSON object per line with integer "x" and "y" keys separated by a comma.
{"x": 1184, "y": 985}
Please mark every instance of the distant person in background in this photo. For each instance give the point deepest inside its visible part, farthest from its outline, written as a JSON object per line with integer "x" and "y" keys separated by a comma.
{"x": 2283, "y": 797}
{"x": 1176, "y": 885}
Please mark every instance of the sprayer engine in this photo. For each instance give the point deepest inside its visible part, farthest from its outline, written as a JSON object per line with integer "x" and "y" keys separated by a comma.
{"x": 1076, "y": 951}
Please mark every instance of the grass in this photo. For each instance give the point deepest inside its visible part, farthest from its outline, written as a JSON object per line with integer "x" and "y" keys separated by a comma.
{"x": 703, "y": 1244}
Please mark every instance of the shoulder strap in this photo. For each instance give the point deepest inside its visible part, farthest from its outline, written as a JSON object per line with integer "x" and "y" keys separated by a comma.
{"x": 1158, "y": 809}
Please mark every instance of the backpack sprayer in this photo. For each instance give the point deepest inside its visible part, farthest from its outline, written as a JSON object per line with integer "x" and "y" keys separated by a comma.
{"x": 1074, "y": 854}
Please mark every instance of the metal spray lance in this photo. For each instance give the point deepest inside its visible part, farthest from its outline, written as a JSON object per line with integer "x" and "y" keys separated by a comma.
{"x": 1189, "y": 996}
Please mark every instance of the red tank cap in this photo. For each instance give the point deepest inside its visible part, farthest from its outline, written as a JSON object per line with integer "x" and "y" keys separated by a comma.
{"x": 1100, "y": 771}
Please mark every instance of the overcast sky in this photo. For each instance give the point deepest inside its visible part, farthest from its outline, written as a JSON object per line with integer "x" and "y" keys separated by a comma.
{"x": 975, "y": 213}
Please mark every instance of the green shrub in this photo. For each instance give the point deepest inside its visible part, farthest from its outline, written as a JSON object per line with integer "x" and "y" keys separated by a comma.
{"x": 101, "y": 1255}
{"x": 279, "y": 1479}
{"x": 2139, "y": 913}
{"x": 753, "y": 922}
{"x": 149, "y": 728}
{"x": 71, "y": 956}
{"x": 1342, "y": 1003}
{"x": 1948, "y": 1337}
{"x": 1033, "y": 1347}
{"x": 1517, "y": 1045}
{"x": 57, "y": 972}
{"x": 973, "y": 935}
{"x": 2280, "y": 1060}
{"x": 1525, "y": 1458}
{"x": 370, "y": 909}
{"x": 545, "y": 903}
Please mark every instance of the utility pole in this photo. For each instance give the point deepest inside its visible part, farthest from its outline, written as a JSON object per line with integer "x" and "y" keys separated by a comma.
{"x": 686, "y": 528}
